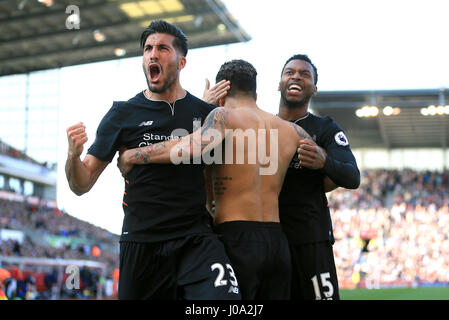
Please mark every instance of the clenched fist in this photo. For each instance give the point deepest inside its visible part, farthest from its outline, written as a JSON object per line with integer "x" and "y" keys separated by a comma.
{"x": 77, "y": 137}
{"x": 310, "y": 155}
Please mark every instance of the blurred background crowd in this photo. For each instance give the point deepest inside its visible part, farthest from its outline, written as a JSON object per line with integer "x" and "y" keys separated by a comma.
{"x": 394, "y": 228}
{"x": 52, "y": 234}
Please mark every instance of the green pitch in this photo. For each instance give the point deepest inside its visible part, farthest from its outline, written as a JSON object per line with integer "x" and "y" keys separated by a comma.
{"x": 438, "y": 293}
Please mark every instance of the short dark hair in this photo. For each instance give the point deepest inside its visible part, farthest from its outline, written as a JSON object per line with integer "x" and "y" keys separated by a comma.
{"x": 241, "y": 74}
{"x": 162, "y": 26}
{"x": 305, "y": 58}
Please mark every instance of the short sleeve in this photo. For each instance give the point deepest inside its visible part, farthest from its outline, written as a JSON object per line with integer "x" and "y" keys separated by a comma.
{"x": 107, "y": 138}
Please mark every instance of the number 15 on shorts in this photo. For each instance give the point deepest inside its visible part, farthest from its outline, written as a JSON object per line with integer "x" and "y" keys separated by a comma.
{"x": 325, "y": 283}
{"x": 219, "y": 281}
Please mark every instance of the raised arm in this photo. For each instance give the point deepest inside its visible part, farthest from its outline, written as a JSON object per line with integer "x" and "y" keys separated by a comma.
{"x": 81, "y": 175}
{"x": 210, "y": 135}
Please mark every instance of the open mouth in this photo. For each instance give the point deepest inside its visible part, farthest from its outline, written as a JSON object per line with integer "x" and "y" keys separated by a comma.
{"x": 294, "y": 88}
{"x": 154, "y": 72}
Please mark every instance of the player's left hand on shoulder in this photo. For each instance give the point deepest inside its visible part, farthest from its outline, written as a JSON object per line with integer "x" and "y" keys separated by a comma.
{"x": 311, "y": 155}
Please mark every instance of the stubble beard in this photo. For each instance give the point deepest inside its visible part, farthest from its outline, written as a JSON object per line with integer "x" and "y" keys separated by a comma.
{"x": 171, "y": 79}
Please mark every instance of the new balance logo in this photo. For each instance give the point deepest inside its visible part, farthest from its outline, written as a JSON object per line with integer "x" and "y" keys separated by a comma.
{"x": 233, "y": 290}
{"x": 146, "y": 123}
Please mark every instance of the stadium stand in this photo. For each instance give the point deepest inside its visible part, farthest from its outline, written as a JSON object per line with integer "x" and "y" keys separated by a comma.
{"x": 29, "y": 232}
{"x": 38, "y": 241}
{"x": 32, "y": 232}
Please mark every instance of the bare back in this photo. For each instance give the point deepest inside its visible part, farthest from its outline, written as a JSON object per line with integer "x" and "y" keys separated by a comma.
{"x": 249, "y": 189}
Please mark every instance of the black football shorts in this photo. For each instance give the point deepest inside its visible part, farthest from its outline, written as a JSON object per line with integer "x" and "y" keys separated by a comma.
{"x": 260, "y": 256}
{"x": 314, "y": 276}
{"x": 195, "y": 267}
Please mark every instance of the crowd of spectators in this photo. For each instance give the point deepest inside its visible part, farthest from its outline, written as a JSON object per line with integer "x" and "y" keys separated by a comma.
{"x": 42, "y": 231}
{"x": 395, "y": 227}
{"x": 44, "y": 283}
{"x": 74, "y": 239}
{"x": 50, "y": 221}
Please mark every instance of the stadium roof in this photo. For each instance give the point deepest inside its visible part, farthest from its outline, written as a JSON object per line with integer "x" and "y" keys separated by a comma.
{"x": 21, "y": 168}
{"x": 407, "y": 129}
{"x": 18, "y": 164}
{"x": 46, "y": 34}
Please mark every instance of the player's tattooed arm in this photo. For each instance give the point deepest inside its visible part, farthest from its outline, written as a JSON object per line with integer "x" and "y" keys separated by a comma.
{"x": 310, "y": 155}
{"x": 155, "y": 153}
{"x": 213, "y": 132}
{"x": 143, "y": 155}
{"x": 217, "y": 119}
{"x": 300, "y": 131}
{"x": 210, "y": 135}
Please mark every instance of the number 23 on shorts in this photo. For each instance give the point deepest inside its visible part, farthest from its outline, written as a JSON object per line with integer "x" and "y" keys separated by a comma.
{"x": 219, "y": 281}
